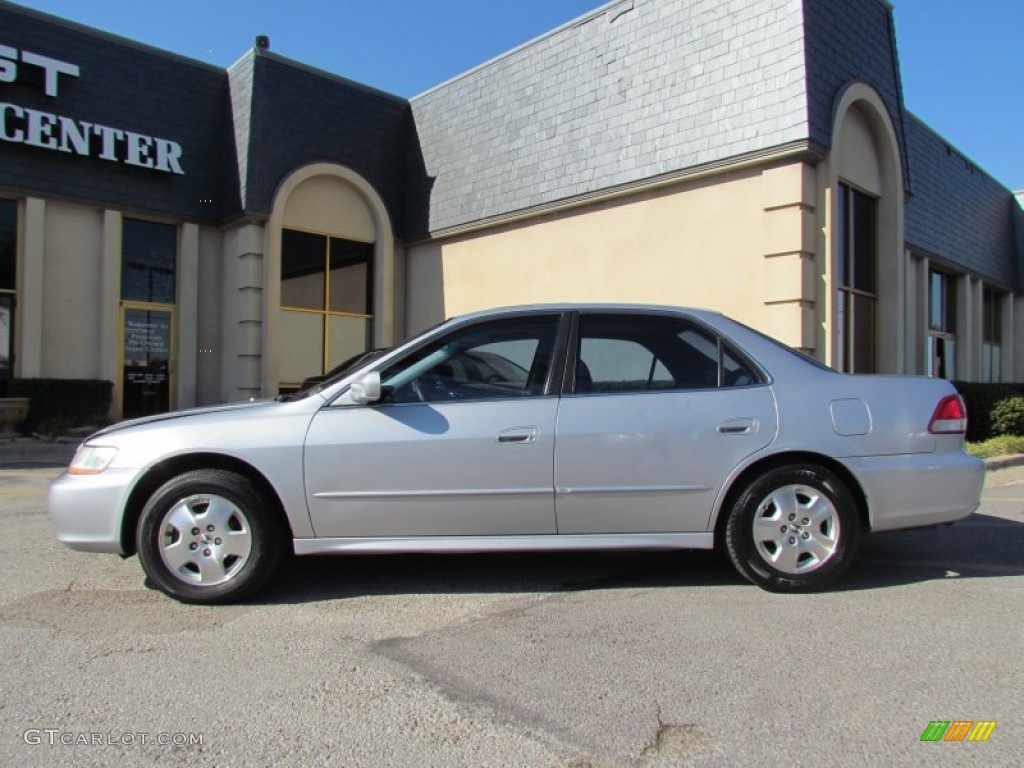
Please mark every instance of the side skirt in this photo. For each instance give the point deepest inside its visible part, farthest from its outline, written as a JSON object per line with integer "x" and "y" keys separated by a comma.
{"x": 539, "y": 543}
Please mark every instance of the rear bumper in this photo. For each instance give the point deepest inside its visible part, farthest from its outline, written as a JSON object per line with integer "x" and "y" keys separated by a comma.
{"x": 910, "y": 491}
{"x": 87, "y": 510}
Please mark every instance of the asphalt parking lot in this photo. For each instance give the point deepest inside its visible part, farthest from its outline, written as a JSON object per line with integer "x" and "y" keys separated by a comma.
{"x": 637, "y": 659}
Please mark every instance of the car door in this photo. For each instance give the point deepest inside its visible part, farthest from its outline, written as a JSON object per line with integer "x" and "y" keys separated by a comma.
{"x": 657, "y": 414}
{"x": 461, "y": 444}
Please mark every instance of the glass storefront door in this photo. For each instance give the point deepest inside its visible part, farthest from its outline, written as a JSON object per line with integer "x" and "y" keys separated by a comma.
{"x": 146, "y": 344}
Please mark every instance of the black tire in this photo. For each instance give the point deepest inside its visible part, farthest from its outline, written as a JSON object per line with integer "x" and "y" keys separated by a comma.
{"x": 207, "y": 536}
{"x": 793, "y": 529}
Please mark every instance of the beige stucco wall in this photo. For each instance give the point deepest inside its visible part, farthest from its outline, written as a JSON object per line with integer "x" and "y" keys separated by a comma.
{"x": 71, "y": 287}
{"x": 706, "y": 244}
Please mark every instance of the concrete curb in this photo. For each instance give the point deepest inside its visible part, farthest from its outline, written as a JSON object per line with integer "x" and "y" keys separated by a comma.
{"x": 1004, "y": 462}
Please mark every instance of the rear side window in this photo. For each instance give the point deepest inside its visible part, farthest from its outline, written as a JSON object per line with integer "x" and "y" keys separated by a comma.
{"x": 624, "y": 353}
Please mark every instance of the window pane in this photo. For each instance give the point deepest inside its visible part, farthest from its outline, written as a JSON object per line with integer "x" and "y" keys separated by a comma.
{"x": 990, "y": 362}
{"x": 942, "y": 356}
{"x": 350, "y": 276}
{"x": 942, "y": 302}
{"x": 843, "y": 266}
{"x": 504, "y": 358}
{"x": 618, "y": 365}
{"x": 622, "y": 353}
{"x": 302, "y": 350}
{"x": 8, "y": 243}
{"x": 346, "y": 337}
{"x": 146, "y": 383}
{"x": 992, "y": 317}
{"x": 936, "y": 293}
{"x": 148, "y": 260}
{"x": 303, "y": 266}
{"x": 735, "y": 373}
{"x": 861, "y": 342}
{"x": 864, "y": 239}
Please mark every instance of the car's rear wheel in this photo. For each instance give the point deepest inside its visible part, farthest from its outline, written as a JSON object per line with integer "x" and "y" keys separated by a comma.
{"x": 793, "y": 529}
{"x": 207, "y": 536}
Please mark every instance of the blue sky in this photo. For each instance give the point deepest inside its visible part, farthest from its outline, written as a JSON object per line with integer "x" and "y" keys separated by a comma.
{"x": 962, "y": 62}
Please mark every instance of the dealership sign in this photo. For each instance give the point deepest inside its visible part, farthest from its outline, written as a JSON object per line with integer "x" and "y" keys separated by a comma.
{"x": 21, "y": 125}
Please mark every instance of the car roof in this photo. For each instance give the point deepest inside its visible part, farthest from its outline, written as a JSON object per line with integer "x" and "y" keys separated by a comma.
{"x": 587, "y": 307}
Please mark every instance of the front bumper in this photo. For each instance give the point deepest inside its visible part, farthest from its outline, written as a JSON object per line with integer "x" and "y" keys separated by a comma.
{"x": 87, "y": 510}
{"x": 910, "y": 491}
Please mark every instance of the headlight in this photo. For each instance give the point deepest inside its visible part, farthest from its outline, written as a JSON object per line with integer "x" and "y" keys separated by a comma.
{"x": 91, "y": 459}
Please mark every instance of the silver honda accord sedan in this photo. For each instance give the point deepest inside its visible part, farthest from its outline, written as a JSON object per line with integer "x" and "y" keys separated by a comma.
{"x": 527, "y": 429}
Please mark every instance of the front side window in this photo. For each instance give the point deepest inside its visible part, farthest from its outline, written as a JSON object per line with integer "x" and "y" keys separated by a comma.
{"x": 507, "y": 358}
{"x": 941, "y": 342}
{"x": 992, "y": 335}
{"x": 622, "y": 353}
{"x": 857, "y": 297}
{"x": 326, "y": 303}
{"x": 8, "y": 285}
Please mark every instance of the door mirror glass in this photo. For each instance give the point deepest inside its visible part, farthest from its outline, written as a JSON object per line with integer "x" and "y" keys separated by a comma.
{"x": 366, "y": 389}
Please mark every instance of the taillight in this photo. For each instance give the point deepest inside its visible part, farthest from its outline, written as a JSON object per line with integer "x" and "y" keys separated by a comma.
{"x": 950, "y": 416}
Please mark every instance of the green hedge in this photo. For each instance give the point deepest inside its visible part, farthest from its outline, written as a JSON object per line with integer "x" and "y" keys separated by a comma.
{"x": 981, "y": 400}
{"x": 60, "y": 404}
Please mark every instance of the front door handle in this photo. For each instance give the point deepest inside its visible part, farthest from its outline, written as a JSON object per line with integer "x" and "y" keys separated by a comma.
{"x": 518, "y": 435}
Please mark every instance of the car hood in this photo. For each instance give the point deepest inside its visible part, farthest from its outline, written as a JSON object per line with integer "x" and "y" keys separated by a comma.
{"x": 172, "y": 415}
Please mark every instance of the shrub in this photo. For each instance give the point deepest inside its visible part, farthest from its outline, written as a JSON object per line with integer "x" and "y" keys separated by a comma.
{"x": 1005, "y": 445}
{"x": 1008, "y": 417}
{"x": 981, "y": 399}
{"x": 59, "y": 404}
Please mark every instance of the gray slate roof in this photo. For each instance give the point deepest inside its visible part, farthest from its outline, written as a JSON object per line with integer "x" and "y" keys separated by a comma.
{"x": 958, "y": 212}
{"x": 636, "y": 89}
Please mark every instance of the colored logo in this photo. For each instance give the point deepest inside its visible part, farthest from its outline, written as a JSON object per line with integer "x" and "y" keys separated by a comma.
{"x": 958, "y": 730}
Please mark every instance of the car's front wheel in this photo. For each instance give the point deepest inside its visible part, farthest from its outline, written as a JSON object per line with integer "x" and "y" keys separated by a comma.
{"x": 793, "y": 529}
{"x": 207, "y": 536}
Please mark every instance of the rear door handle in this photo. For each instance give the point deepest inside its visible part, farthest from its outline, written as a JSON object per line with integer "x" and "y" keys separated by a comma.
{"x": 744, "y": 426}
{"x": 518, "y": 435}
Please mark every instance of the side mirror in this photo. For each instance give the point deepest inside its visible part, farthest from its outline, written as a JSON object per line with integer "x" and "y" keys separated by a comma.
{"x": 366, "y": 389}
